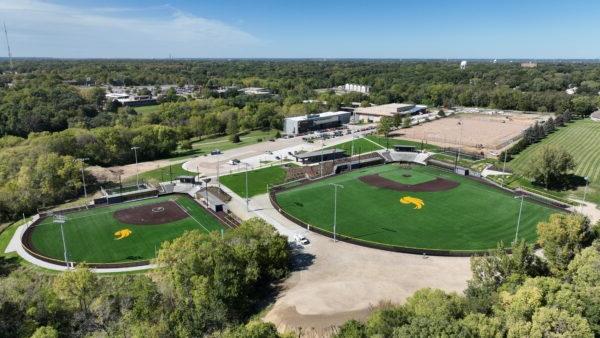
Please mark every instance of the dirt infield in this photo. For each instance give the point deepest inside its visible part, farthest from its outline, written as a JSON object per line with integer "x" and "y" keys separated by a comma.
{"x": 151, "y": 214}
{"x": 439, "y": 184}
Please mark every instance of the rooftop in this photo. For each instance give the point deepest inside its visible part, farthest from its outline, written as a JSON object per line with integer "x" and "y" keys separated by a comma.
{"x": 383, "y": 110}
{"x": 319, "y": 153}
{"x": 314, "y": 116}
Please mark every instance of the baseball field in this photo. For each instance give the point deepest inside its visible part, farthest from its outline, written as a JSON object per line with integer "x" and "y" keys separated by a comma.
{"x": 418, "y": 207}
{"x": 123, "y": 232}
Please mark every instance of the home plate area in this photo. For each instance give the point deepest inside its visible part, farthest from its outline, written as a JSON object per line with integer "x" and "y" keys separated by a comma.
{"x": 151, "y": 214}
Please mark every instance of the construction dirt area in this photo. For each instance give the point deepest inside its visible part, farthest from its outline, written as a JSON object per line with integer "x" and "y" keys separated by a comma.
{"x": 487, "y": 133}
{"x": 336, "y": 282}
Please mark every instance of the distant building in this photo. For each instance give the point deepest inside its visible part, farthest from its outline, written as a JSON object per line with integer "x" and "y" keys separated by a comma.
{"x": 595, "y": 116}
{"x": 375, "y": 113}
{"x": 320, "y": 155}
{"x": 356, "y": 88}
{"x": 571, "y": 90}
{"x": 463, "y": 64}
{"x": 127, "y": 100}
{"x": 255, "y": 91}
{"x": 314, "y": 122}
{"x": 528, "y": 64}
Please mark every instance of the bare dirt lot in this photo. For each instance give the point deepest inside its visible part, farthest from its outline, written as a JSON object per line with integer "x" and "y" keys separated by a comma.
{"x": 476, "y": 132}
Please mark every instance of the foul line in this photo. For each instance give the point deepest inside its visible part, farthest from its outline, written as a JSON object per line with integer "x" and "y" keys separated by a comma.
{"x": 375, "y": 143}
{"x": 184, "y": 210}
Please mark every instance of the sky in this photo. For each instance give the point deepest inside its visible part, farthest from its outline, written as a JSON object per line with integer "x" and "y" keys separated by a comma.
{"x": 502, "y": 29}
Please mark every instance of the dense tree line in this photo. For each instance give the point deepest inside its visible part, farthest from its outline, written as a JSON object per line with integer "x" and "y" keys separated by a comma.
{"x": 205, "y": 286}
{"x": 509, "y": 295}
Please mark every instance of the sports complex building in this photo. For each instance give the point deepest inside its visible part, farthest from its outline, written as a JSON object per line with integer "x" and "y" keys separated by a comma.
{"x": 313, "y": 122}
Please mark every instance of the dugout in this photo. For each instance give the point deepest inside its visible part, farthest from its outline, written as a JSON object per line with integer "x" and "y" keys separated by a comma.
{"x": 320, "y": 155}
{"x": 124, "y": 194}
{"x": 405, "y": 148}
{"x": 187, "y": 179}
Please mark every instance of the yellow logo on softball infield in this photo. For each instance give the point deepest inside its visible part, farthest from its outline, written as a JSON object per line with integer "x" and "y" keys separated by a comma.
{"x": 122, "y": 233}
{"x": 418, "y": 203}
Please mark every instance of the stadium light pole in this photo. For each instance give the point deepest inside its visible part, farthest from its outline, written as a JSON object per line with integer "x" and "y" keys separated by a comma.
{"x": 322, "y": 144}
{"x": 247, "y": 200}
{"x": 587, "y": 183}
{"x": 519, "y": 219}
{"x": 82, "y": 160}
{"x": 459, "y": 142}
{"x": 335, "y": 187}
{"x": 137, "y": 173}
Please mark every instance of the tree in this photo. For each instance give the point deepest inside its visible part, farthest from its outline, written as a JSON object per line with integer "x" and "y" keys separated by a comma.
{"x": 584, "y": 105}
{"x": 45, "y": 332}
{"x": 562, "y": 237}
{"x": 385, "y": 126}
{"x": 441, "y": 113}
{"x": 77, "y": 286}
{"x": 552, "y": 322}
{"x": 406, "y": 122}
{"x": 549, "y": 165}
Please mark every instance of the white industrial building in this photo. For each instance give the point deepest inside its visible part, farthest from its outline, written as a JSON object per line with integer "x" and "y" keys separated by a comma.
{"x": 375, "y": 113}
{"x": 313, "y": 122}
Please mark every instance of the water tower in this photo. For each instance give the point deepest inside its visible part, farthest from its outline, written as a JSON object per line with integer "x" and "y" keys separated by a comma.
{"x": 463, "y": 64}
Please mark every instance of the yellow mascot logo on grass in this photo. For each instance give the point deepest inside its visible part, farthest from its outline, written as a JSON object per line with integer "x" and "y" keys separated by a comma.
{"x": 122, "y": 233}
{"x": 417, "y": 202}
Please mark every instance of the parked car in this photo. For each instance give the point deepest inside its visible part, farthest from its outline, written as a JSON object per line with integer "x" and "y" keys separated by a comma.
{"x": 301, "y": 239}
{"x": 235, "y": 161}
{"x": 215, "y": 152}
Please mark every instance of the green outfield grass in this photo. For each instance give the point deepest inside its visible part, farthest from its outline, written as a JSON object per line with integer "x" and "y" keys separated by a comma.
{"x": 89, "y": 234}
{"x": 257, "y": 180}
{"x": 162, "y": 174}
{"x": 361, "y": 146}
{"x": 470, "y": 217}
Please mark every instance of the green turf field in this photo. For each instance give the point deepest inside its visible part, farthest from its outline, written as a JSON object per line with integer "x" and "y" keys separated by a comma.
{"x": 257, "y": 180}
{"x": 581, "y": 139}
{"x": 90, "y": 238}
{"x": 469, "y": 217}
{"x": 361, "y": 146}
{"x": 162, "y": 174}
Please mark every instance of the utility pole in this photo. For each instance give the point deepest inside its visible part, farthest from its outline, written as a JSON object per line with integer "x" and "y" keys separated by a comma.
{"x": 335, "y": 187}
{"x": 218, "y": 166}
{"x": 137, "y": 173}
{"x": 459, "y": 142}
{"x": 82, "y": 161}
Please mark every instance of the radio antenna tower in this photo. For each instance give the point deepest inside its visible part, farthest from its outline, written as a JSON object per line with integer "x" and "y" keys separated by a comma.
{"x": 8, "y": 47}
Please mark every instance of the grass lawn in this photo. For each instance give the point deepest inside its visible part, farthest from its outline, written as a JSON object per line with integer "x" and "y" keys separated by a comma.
{"x": 469, "y": 217}
{"x": 89, "y": 234}
{"x": 6, "y": 235}
{"x": 148, "y": 109}
{"x": 162, "y": 174}
{"x": 222, "y": 143}
{"x": 581, "y": 139}
{"x": 257, "y": 180}
{"x": 361, "y": 146}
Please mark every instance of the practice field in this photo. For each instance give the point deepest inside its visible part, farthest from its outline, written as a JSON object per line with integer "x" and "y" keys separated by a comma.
{"x": 581, "y": 139}
{"x": 257, "y": 180}
{"x": 123, "y": 232}
{"x": 418, "y": 207}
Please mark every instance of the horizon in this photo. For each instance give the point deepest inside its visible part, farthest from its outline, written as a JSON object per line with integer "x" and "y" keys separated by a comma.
{"x": 268, "y": 29}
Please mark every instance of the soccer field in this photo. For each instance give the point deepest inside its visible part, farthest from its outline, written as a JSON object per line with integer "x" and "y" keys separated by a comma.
{"x": 466, "y": 216}
{"x": 91, "y": 235}
{"x": 581, "y": 139}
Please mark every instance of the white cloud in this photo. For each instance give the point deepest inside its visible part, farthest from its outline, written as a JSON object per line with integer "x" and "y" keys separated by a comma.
{"x": 38, "y": 28}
